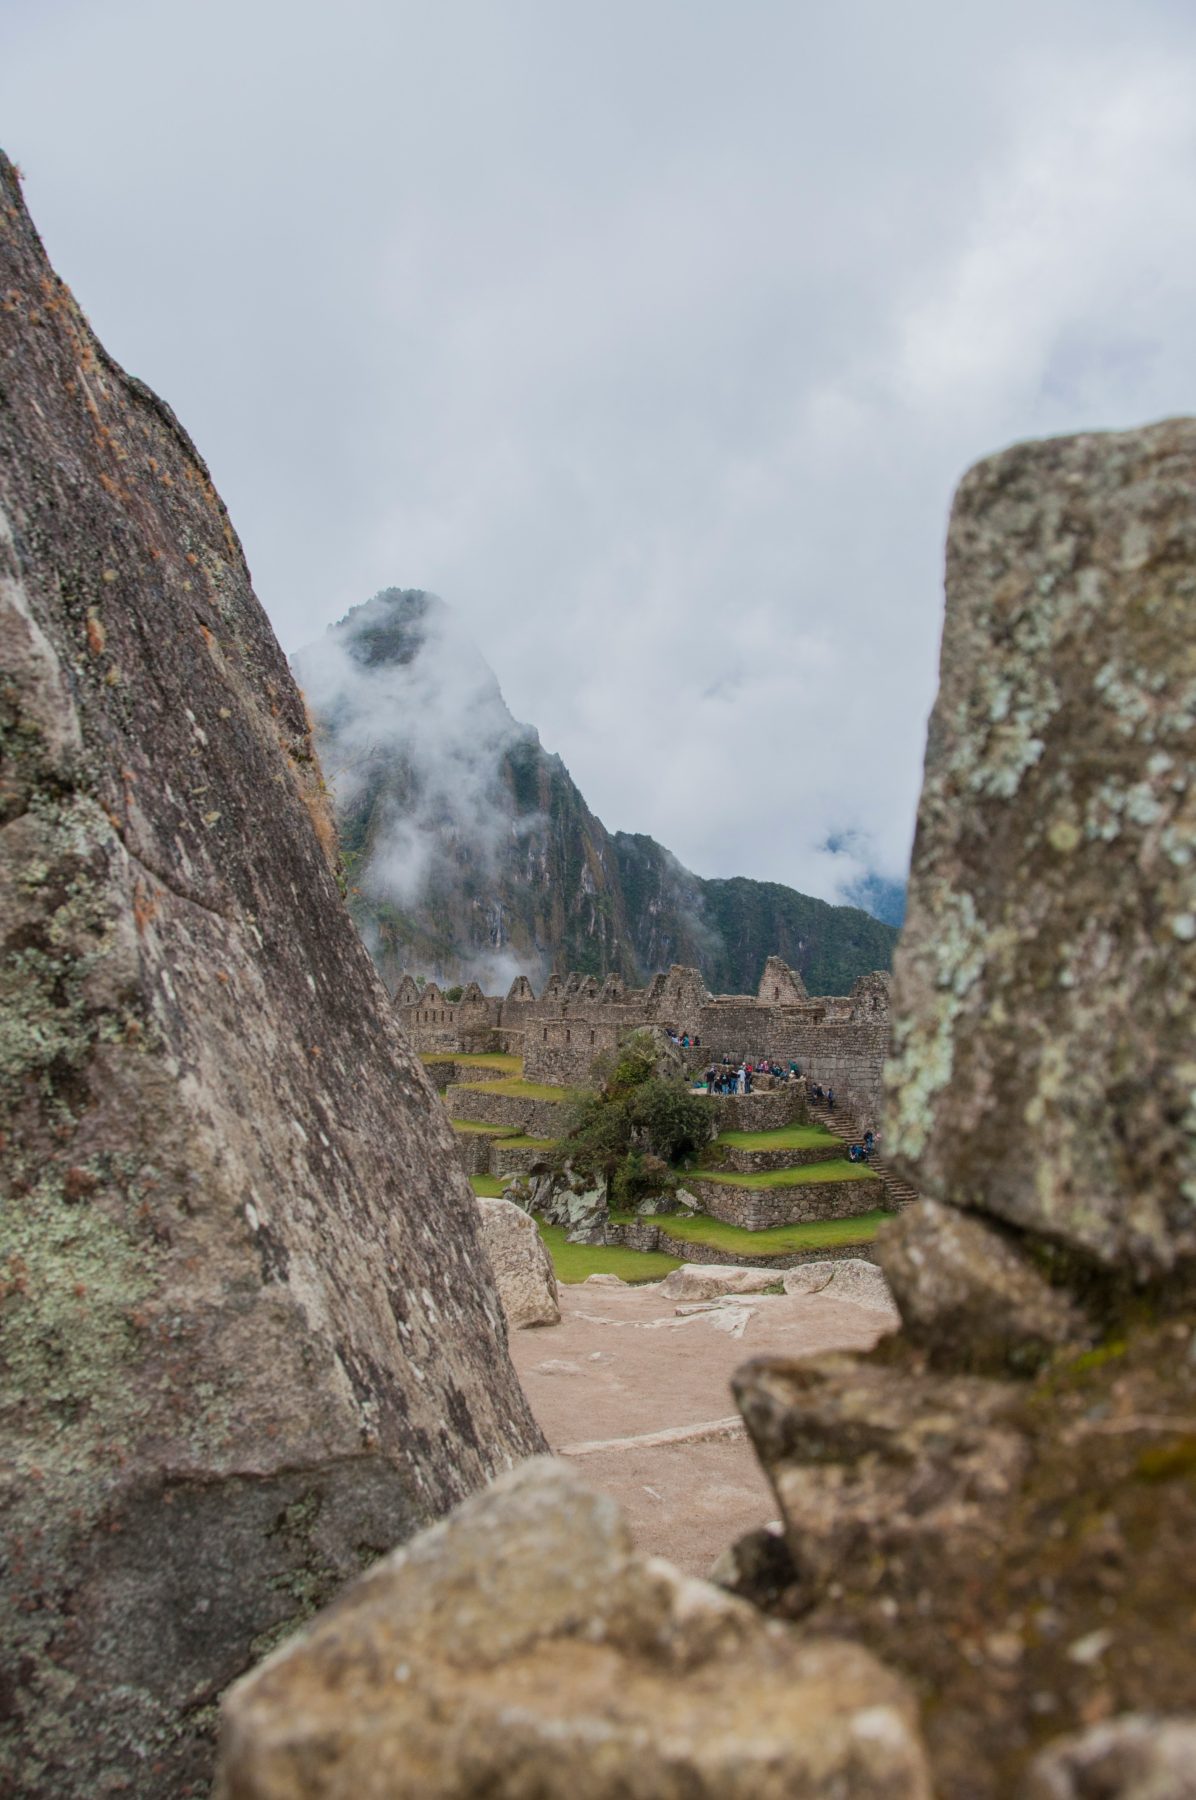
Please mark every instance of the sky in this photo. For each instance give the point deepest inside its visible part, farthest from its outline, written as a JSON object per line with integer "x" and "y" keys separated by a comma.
{"x": 653, "y": 335}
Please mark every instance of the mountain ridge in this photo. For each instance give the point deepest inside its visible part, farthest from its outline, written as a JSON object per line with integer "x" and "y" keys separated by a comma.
{"x": 471, "y": 852}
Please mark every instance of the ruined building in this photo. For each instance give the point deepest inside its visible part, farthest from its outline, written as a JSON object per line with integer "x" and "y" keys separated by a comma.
{"x": 841, "y": 1042}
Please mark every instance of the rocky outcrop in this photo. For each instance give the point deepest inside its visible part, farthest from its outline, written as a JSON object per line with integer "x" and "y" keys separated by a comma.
{"x": 521, "y": 1264}
{"x": 709, "y": 1281}
{"x": 523, "y": 1647}
{"x": 561, "y": 1197}
{"x": 248, "y": 1337}
{"x": 1045, "y": 983}
{"x": 1013, "y": 1545}
{"x": 850, "y": 1278}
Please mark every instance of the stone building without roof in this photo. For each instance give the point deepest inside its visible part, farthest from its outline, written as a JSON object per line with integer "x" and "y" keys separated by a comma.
{"x": 840, "y": 1041}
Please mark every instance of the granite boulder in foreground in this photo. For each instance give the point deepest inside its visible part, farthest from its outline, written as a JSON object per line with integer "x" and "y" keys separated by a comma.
{"x": 248, "y": 1336}
{"x": 522, "y": 1647}
{"x": 1044, "y": 1066}
{"x": 1019, "y": 1548}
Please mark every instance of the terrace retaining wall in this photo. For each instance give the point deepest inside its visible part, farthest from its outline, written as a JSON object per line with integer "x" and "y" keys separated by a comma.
{"x": 756, "y": 1209}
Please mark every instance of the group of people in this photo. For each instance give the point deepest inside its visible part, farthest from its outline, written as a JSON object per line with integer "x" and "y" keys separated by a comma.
{"x": 685, "y": 1042}
{"x": 862, "y": 1151}
{"x": 728, "y": 1077}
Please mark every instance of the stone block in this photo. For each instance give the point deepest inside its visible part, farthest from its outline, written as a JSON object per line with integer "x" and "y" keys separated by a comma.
{"x": 1043, "y": 1067}
{"x": 524, "y": 1648}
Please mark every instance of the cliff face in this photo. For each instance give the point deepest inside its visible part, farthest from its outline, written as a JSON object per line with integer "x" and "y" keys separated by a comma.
{"x": 248, "y": 1335}
{"x": 472, "y": 852}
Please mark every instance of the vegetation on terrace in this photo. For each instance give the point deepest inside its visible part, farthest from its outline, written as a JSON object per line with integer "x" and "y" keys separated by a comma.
{"x": 573, "y": 1262}
{"x": 784, "y": 1137}
{"x": 520, "y": 1090}
{"x": 776, "y": 1240}
{"x": 841, "y": 1170}
{"x": 635, "y": 1124}
{"x": 487, "y": 1059}
{"x": 481, "y": 1130}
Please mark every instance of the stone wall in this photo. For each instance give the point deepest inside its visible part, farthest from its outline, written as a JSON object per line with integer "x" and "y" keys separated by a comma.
{"x": 840, "y": 1041}
{"x": 756, "y": 1209}
{"x": 759, "y": 1162}
{"x": 538, "y": 1118}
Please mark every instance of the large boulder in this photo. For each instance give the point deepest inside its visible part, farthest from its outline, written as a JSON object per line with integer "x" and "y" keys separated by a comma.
{"x": 523, "y": 1647}
{"x": 709, "y": 1281}
{"x": 850, "y": 1278}
{"x": 521, "y": 1264}
{"x": 1043, "y": 1067}
{"x": 248, "y": 1335}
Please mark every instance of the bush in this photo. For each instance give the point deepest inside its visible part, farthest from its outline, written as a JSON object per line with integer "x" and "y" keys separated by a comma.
{"x": 670, "y": 1120}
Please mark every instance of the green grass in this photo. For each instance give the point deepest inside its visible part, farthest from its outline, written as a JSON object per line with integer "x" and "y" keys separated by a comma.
{"x": 841, "y": 1170}
{"x": 519, "y": 1142}
{"x": 519, "y": 1090}
{"x": 486, "y": 1187}
{"x": 816, "y": 1234}
{"x": 573, "y": 1262}
{"x": 510, "y": 1065}
{"x": 505, "y": 1132}
{"x": 787, "y": 1137}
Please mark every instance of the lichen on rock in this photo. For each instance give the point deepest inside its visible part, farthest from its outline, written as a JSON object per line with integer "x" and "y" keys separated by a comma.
{"x": 248, "y": 1336}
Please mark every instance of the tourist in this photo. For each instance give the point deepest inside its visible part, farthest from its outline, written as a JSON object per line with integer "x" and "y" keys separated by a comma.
{"x": 830, "y": 1099}
{"x": 741, "y": 1080}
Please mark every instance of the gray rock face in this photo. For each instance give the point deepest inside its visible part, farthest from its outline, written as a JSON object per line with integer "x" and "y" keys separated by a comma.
{"x": 1044, "y": 1068}
{"x": 965, "y": 1292}
{"x": 521, "y": 1264}
{"x": 562, "y": 1198}
{"x": 847, "y": 1278}
{"x": 523, "y": 1648}
{"x": 710, "y": 1281}
{"x": 248, "y": 1336}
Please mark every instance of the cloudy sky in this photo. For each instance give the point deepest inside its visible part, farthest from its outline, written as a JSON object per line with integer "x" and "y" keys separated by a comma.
{"x": 651, "y": 334}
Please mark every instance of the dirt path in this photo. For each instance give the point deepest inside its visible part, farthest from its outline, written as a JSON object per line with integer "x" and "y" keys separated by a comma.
{"x": 640, "y": 1397}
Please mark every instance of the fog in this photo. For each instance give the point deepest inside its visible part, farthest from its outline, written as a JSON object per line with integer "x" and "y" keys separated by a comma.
{"x": 652, "y": 337}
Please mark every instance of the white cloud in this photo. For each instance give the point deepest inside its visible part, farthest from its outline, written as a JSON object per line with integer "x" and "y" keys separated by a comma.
{"x": 654, "y": 338}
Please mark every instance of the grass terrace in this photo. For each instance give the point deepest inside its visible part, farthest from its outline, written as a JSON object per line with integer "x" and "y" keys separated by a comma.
{"x": 777, "y": 1240}
{"x": 520, "y": 1142}
{"x": 509, "y": 1065}
{"x": 468, "y": 1126}
{"x": 487, "y": 1187}
{"x": 520, "y": 1090}
{"x": 786, "y": 1137}
{"x": 573, "y": 1262}
{"x": 839, "y": 1170}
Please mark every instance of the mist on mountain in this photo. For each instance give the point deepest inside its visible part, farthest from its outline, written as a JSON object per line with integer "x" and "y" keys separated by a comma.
{"x": 471, "y": 854}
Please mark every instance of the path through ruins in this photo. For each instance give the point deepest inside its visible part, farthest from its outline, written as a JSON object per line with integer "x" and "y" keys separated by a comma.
{"x": 639, "y": 1395}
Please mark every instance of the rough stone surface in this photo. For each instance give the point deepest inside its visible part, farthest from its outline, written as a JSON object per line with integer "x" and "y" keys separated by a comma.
{"x": 523, "y": 1648}
{"x": 561, "y": 1198}
{"x": 1133, "y": 1758}
{"x": 521, "y": 1263}
{"x": 709, "y": 1281}
{"x": 1045, "y": 982}
{"x": 845, "y": 1278}
{"x": 855, "y": 1451}
{"x": 248, "y": 1337}
{"x": 1017, "y": 1549}
{"x": 969, "y": 1295}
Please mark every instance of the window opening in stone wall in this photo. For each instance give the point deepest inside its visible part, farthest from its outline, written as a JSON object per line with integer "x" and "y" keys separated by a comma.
{"x": 546, "y": 1034}
{"x": 591, "y": 1037}
{"x": 568, "y": 1037}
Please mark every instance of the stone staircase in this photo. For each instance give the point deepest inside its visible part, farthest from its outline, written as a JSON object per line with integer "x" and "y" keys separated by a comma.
{"x": 844, "y": 1123}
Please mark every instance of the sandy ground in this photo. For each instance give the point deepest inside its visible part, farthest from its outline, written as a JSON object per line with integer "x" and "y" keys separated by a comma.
{"x": 622, "y": 1369}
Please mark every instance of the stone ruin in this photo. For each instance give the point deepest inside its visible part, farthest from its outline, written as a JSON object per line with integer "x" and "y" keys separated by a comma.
{"x": 989, "y": 1519}
{"x": 840, "y": 1041}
